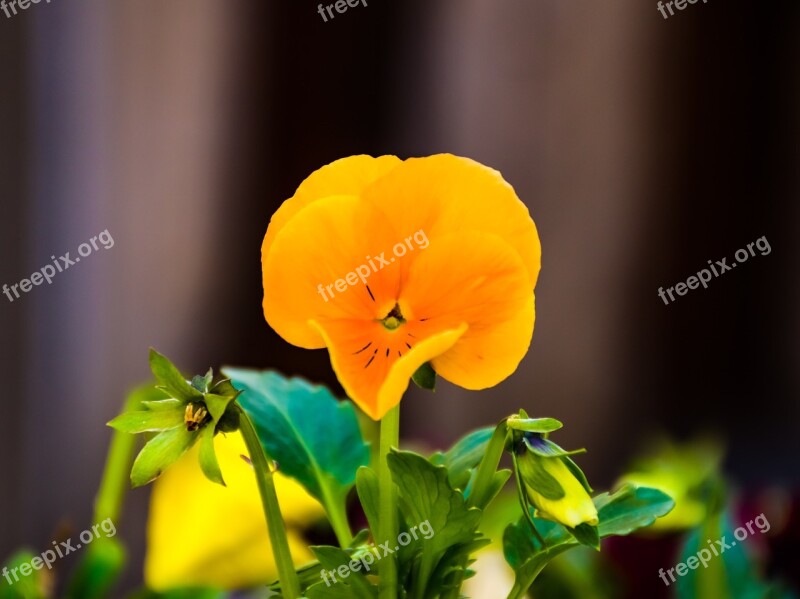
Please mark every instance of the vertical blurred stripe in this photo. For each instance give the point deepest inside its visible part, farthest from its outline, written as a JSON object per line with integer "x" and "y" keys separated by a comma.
{"x": 129, "y": 108}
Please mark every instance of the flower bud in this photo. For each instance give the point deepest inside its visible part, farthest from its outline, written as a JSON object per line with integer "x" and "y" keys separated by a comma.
{"x": 553, "y": 482}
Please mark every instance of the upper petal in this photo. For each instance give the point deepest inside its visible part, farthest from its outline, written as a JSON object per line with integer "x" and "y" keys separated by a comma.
{"x": 346, "y": 176}
{"x": 443, "y": 194}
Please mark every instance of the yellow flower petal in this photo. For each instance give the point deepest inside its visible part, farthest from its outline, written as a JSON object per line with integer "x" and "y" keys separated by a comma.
{"x": 346, "y": 176}
{"x": 444, "y": 194}
{"x": 204, "y": 534}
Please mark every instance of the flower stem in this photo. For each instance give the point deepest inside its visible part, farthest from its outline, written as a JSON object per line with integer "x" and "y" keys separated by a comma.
{"x": 290, "y": 586}
{"x": 116, "y": 474}
{"x": 337, "y": 516}
{"x": 479, "y": 496}
{"x": 387, "y": 502}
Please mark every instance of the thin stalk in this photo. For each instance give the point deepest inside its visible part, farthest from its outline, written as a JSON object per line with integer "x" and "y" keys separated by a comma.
{"x": 290, "y": 585}
{"x": 116, "y": 474}
{"x": 336, "y": 510}
{"x": 387, "y": 502}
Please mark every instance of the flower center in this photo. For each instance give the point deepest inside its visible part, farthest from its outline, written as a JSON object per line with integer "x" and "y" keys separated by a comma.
{"x": 393, "y": 319}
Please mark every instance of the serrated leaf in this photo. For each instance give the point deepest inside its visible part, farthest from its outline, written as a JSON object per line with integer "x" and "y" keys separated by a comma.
{"x": 171, "y": 380}
{"x": 425, "y": 377}
{"x": 425, "y": 496}
{"x": 160, "y": 453}
{"x": 144, "y": 421}
{"x": 314, "y": 437}
{"x": 353, "y": 582}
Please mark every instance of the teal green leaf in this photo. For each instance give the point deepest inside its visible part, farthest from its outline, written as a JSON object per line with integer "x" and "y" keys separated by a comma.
{"x": 586, "y": 535}
{"x": 208, "y": 457}
{"x": 144, "y": 421}
{"x": 159, "y": 453}
{"x": 733, "y": 574}
{"x": 99, "y": 568}
{"x": 425, "y": 377}
{"x": 464, "y": 456}
{"x": 426, "y": 497}
{"x": 313, "y": 437}
{"x": 171, "y": 380}
{"x": 202, "y": 383}
{"x": 630, "y": 508}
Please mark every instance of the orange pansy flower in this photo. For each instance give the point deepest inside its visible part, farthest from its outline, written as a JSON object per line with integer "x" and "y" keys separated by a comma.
{"x": 391, "y": 264}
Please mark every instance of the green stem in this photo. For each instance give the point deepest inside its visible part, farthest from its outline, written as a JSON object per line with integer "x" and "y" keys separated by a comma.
{"x": 478, "y": 497}
{"x": 116, "y": 474}
{"x": 337, "y": 516}
{"x": 290, "y": 585}
{"x": 387, "y": 502}
{"x": 479, "y": 494}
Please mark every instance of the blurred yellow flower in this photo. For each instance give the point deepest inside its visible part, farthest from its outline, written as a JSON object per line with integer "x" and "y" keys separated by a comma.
{"x": 392, "y": 264}
{"x": 204, "y": 534}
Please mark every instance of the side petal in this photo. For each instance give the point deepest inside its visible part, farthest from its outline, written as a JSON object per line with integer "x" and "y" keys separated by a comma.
{"x": 346, "y": 176}
{"x": 333, "y": 241}
{"x": 477, "y": 279}
{"x": 444, "y": 194}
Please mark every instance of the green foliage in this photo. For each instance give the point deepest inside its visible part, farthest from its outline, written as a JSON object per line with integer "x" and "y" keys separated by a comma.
{"x": 622, "y": 512}
{"x": 425, "y": 377}
{"x": 461, "y": 459}
{"x": 425, "y": 496}
{"x": 181, "y": 414}
{"x": 99, "y": 569}
{"x": 314, "y": 437}
{"x": 32, "y": 586}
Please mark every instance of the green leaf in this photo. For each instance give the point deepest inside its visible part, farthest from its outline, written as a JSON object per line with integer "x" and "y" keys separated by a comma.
{"x": 464, "y": 456}
{"x": 313, "y": 437}
{"x": 533, "y": 425}
{"x": 425, "y": 377}
{"x": 203, "y": 383}
{"x": 99, "y": 569}
{"x": 171, "y": 380}
{"x": 732, "y": 574}
{"x": 548, "y": 449}
{"x": 628, "y": 509}
{"x": 169, "y": 403}
{"x": 586, "y": 535}
{"x": 218, "y": 404}
{"x": 208, "y": 457}
{"x": 144, "y": 421}
{"x": 159, "y": 453}
{"x": 182, "y": 593}
{"x": 426, "y": 497}
{"x": 31, "y": 586}
{"x": 367, "y": 489}
{"x": 352, "y": 585}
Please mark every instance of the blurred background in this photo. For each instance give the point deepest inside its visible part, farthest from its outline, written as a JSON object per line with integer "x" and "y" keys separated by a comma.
{"x": 643, "y": 147}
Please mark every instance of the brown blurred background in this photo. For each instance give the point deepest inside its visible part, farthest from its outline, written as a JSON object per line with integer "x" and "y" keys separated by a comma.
{"x": 643, "y": 147}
